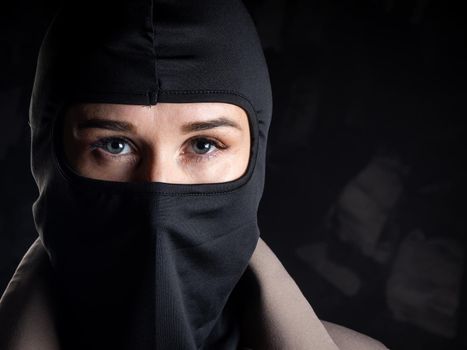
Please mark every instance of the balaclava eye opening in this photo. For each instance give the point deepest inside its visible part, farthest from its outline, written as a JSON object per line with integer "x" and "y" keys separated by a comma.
{"x": 147, "y": 265}
{"x": 64, "y": 163}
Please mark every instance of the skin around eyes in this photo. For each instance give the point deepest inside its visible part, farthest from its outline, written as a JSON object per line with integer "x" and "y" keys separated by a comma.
{"x": 135, "y": 160}
{"x": 184, "y": 143}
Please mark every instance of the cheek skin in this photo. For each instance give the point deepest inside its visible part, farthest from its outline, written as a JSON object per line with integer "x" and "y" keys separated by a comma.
{"x": 227, "y": 166}
{"x": 234, "y": 166}
{"x": 92, "y": 169}
{"x": 221, "y": 171}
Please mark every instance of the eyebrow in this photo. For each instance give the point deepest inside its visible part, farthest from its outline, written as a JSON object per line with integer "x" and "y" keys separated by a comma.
{"x": 186, "y": 128}
{"x": 210, "y": 124}
{"x": 105, "y": 124}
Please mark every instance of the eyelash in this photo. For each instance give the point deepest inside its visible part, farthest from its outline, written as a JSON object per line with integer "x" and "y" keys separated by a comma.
{"x": 219, "y": 147}
{"x": 101, "y": 143}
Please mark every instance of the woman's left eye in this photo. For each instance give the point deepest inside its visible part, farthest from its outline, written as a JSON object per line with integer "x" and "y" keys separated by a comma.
{"x": 203, "y": 146}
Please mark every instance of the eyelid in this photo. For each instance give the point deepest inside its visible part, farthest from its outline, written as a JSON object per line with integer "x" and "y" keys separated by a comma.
{"x": 190, "y": 158}
{"x": 100, "y": 143}
{"x": 219, "y": 147}
{"x": 219, "y": 144}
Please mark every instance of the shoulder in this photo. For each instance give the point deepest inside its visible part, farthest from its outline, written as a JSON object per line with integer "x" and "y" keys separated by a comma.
{"x": 26, "y": 320}
{"x": 348, "y": 339}
{"x": 282, "y": 317}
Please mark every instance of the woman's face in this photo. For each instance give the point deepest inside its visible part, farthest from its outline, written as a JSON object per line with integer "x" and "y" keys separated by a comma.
{"x": 183, "y": 143}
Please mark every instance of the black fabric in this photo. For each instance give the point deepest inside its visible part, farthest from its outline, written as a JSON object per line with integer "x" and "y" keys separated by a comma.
{"x": 148, "y": 265}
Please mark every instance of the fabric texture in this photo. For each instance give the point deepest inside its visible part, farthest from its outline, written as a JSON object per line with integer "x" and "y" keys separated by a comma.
{"x": 147, "y": 265}
{"x": 277, "y": 317}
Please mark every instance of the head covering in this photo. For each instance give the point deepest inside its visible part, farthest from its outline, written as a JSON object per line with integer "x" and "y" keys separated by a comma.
{"x": 147, "y": 265}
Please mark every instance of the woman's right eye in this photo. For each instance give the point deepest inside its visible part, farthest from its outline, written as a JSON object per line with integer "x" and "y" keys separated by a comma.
{"x": 114, "y": 145}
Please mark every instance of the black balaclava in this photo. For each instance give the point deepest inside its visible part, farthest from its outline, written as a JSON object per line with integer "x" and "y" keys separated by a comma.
{"x": 147, "y": 265}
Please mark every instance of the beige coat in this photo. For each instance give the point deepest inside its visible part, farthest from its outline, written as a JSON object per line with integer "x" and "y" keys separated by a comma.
{"x": 281, "y": 318}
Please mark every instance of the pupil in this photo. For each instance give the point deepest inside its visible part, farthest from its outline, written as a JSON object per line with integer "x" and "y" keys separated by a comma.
{"x": 202, "y": 146}
{"x": 115, "y": 146}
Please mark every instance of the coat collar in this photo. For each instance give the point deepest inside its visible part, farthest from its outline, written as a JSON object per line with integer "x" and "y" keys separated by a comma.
{"x": 277, "y": 316}
{"x": 26, "y": 320}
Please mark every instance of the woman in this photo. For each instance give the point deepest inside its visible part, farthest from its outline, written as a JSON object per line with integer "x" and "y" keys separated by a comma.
{"x": 149, "y": 124}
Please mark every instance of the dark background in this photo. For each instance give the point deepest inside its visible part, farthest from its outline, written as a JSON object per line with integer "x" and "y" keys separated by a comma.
{"x": 364, "y": 200}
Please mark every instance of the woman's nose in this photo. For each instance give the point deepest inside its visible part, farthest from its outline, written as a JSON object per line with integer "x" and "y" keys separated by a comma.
{"x": 156, "y": 171}
{"x": 161, "y": 168}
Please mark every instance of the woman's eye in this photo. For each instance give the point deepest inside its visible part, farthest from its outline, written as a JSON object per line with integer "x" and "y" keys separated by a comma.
{"x": 114, "y": 146}
{"x": 203, "y": 146}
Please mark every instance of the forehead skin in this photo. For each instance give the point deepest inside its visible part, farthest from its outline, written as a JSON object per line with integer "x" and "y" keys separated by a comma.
{"x": 176, "y": 112}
